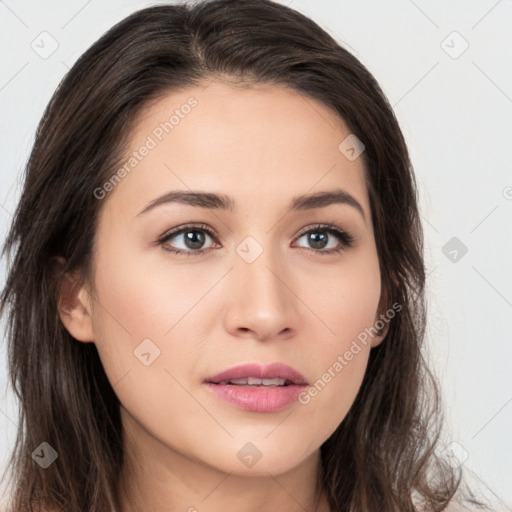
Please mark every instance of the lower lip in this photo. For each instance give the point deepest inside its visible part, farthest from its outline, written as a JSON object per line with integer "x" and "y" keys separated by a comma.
{"x": 257, "y": 398}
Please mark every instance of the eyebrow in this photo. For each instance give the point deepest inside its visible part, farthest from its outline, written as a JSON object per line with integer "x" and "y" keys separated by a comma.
{"x": 223, "y": 202}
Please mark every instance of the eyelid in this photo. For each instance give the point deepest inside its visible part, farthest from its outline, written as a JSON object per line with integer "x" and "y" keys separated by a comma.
{"x": 321, "y": 225}
{"x": 190, "y": 226}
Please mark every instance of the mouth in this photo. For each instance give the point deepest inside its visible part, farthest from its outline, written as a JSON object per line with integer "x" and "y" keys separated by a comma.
{"x": 258, "y": 388}
{"x": 275, "y": 374}
{"x": 255, "y": 382}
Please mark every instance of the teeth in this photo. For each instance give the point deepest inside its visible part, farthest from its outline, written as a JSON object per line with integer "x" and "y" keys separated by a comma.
{"x": 253, "y": 381}
{"x": 274, "y": 382}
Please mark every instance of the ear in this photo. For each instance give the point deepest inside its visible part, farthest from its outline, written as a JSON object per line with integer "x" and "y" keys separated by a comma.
{"x": 73, "y": 303}
{"x": 380, "y": 319}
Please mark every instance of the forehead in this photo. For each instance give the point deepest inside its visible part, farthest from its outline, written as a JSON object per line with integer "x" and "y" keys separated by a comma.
{"x": 254, "y": 143}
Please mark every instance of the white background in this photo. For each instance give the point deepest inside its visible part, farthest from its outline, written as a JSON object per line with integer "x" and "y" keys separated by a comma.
{"x": 456, "y": 115}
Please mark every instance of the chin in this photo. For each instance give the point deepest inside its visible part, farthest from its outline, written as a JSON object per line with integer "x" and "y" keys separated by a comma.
{"x": 261, "y": 457}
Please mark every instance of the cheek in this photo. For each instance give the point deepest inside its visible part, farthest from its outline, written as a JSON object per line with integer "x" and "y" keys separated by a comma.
{"x": 143, "y": 335}
{"x": 143, "y": 308}
{"x": 347, "y": 307}
{"x": 345, "y": 300}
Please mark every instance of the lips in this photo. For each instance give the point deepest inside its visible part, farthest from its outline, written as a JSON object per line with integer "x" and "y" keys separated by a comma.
{"x": 275, "y": 374}
{"x": 256, "y": 388}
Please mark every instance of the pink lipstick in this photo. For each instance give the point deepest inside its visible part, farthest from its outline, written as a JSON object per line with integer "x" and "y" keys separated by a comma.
{"x": 258, "y": 388}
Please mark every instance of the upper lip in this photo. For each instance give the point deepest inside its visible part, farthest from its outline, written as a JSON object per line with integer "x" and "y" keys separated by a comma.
{"x": 271, "y": 371}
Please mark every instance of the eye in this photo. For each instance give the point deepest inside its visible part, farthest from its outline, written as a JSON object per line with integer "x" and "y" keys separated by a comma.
{"x": 193, "y": 237}
{"x": 321, "y": 235}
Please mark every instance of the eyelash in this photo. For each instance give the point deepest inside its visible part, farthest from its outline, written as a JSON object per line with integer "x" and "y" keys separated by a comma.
{"x": 345, "y": 238}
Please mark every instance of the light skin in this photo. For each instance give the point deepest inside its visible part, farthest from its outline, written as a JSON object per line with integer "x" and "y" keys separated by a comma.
{"x": 260, "y": 146}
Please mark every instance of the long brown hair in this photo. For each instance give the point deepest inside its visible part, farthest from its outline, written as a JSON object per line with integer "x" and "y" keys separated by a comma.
{"x": 382, "y": 456}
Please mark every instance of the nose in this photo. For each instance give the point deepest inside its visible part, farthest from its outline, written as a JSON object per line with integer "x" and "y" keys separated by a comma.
{"x": 261, "y": 302}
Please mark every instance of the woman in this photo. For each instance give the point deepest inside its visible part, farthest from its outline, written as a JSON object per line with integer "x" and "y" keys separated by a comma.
{"x": 217, "y": 288}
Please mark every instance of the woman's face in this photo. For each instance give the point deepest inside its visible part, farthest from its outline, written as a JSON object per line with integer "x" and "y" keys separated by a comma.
{"x": 265, "y": 286}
